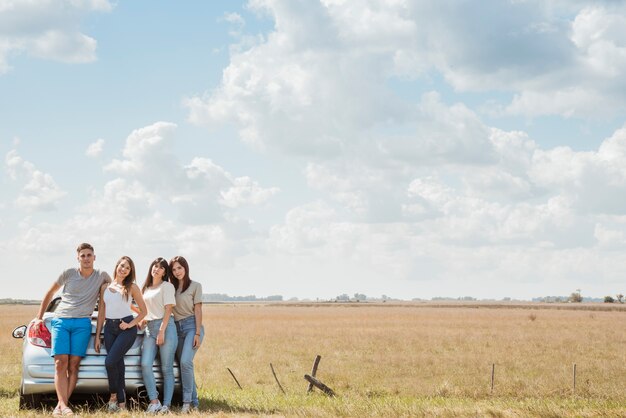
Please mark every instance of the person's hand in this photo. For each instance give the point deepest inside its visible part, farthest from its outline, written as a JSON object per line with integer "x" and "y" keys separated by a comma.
{"x": 160, "y": 337}
{"x": 37, "y": 323}
{"x": 96, "y": 344}
{"x": 196, "y": 342}
{"x": 124, "y": 325}
{"x": 142, "y": 324}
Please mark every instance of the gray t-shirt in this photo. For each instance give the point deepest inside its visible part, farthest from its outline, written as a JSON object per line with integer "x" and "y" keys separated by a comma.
{"x": 79, "y": 294}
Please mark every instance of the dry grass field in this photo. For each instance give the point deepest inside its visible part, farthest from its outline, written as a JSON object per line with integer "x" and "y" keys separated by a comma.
{"x": 394, "y": 360}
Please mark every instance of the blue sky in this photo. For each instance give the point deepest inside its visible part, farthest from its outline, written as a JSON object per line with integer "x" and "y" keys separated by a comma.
{"x": 313, "y": 148}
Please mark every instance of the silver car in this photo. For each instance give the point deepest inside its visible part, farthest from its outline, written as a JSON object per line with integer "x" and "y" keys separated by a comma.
{"x": 37, "y": 384}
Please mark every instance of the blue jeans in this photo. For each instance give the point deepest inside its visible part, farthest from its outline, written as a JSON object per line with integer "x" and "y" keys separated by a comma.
{"x": 117, "y": 342}
{"x": 185, "y": 353}
{"x": 166, "y": 353}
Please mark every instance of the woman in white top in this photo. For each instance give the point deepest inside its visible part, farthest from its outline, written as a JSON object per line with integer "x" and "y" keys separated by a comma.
{"x": 120, "y": 329}
{"x": 188, "y": 318}
{"x": 160, "y": 333}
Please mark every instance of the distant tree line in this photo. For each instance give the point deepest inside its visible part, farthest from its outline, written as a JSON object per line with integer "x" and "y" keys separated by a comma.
{"x": 344, "y": 297}
{"x": 619, "y": 298}
{"x": 461, "y": 298}
{"x": 360, "y": 297}
{"x": 576, "y": 297}
{"x": 9, "y": 301}
{"x": 222, "y": 297}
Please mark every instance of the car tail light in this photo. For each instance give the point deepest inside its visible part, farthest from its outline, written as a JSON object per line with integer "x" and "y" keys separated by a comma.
{"x": 39, "y": 336}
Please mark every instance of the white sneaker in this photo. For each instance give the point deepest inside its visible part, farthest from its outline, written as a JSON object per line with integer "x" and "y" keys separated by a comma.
{"x": 153, "y": 408}
{"x": 186, "y": 408}
{"x": 164, "y": 410}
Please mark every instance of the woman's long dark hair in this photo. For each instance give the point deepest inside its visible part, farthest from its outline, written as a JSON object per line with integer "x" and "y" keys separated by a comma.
{"x": 128, "y": 281}
{"x": 186, "y": 279}
{"x": 161, "y": 262}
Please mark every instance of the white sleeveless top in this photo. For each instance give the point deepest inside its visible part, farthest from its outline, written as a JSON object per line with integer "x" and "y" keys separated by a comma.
{"x": 116, "y": 306}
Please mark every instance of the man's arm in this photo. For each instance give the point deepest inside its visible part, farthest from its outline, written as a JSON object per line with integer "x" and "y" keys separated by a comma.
{"x": 46, "y": 300}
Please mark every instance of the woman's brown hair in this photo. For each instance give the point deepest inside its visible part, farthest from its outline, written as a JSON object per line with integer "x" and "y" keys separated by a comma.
{"x": 161, "y": 262}
{"x": 128, "y": 281}
{"x": 186, "y": 279}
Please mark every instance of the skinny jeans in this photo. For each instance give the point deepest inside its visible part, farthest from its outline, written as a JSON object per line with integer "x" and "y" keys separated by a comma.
{"x": 185, "y": 353}
{"x": 167, "y": 351}
{"x": 117, "y": 343}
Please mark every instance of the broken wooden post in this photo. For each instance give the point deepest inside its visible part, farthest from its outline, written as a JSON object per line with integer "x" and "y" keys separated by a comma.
{"x": 314, "y": 371}
{"x": 276, "y": 378}
{"x": 319, "y": 385}
{"x": 233, "y": 375}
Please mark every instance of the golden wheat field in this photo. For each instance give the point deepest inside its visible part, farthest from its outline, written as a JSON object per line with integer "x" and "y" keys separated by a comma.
{"x": 393, "y": 360}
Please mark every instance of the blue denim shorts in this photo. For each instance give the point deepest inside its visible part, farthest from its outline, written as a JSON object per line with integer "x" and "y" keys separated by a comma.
{"x": 70, "y": 336}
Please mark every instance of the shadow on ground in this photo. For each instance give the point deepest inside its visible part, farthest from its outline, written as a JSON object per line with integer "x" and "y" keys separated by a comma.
{"x": 8, "y": 393}
{"x": 97, "y": 403}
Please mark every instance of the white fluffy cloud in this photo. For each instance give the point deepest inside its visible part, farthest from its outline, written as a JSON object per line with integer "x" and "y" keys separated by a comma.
{"x": 47, "y": 29}
{"x": 587, "y": 86}
{"x": 39, "y": 191}
{"x": 152, "y": 205}
{"x": 326, "y": 76}
{"x": 244, "y": 191}
{"x": 311, "y": 90}
{"x": 600, "y": 35}
{"x": 148, "y": 156}
{"x": 595, "y": 181}
{"x": 200, "y": 191}
{"x": 95, "y": 148}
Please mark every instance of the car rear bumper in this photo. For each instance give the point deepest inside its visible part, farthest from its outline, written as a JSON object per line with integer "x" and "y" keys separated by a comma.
{"x": 39, "y": 379}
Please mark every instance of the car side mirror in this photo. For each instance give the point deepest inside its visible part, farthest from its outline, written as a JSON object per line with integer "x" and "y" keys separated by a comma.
{"x": 19, "y": 332}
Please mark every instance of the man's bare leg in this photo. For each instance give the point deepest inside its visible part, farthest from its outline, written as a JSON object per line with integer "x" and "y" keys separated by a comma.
{"x": 72, "y": 373}
{"x": 61, "y": 379}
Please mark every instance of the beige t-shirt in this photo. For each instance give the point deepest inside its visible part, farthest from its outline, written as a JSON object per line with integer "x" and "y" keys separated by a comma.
{"x": 186, "y": 301}
{"x": 157, "y": 298}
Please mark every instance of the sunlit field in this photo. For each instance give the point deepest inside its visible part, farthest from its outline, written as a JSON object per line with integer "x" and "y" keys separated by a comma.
{"x": 394, "y": 360}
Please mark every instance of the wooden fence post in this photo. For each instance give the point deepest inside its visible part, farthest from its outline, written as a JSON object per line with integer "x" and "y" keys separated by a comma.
{"x": 276, "y": 378}
{"x": 319, "y": 385}
{"x": 233, "y": 375}
{"x": 314, "y": 371}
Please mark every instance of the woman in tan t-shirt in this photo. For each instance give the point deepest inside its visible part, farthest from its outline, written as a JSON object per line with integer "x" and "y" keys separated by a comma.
{"x": 188, "y": 319}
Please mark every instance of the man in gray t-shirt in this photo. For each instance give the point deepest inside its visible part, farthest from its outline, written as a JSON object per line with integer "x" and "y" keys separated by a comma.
{"x": 80, "y": 293}
{"x": 71, "y": 325}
